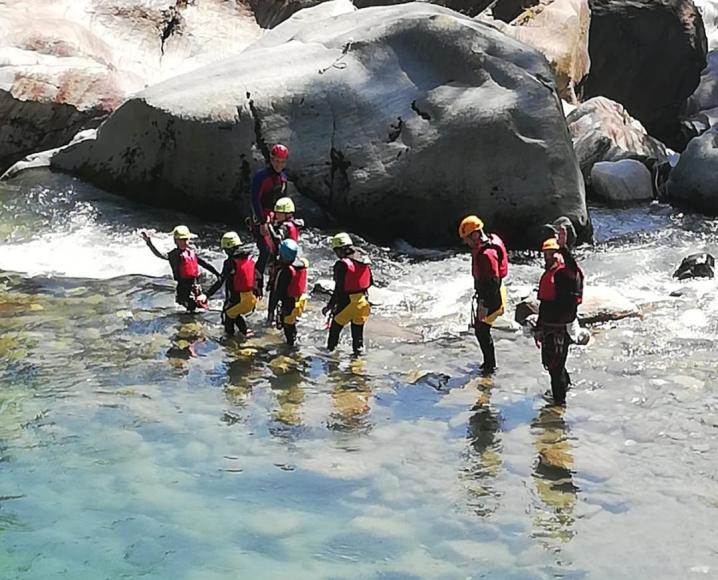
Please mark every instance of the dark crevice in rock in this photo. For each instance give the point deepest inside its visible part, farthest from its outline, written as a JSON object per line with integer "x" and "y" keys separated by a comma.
{"x": 419, "y": 112}
{"x": 172, "y": 22}
{"x": 258, "y": 137}
{"x": 395, "y": 130}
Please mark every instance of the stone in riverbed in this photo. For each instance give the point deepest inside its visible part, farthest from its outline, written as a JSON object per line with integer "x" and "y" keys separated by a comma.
{"x": 600, "y": 304}
{"x": 621, "y": 182}
{"x": 400, "y": 120}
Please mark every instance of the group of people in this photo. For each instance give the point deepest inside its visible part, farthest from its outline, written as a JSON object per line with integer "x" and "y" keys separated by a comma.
{"x": 560, "y": 291}
{"x": 276, "y": 232}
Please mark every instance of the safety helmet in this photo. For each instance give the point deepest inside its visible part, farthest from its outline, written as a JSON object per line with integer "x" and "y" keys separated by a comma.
{"x": 288, "y": 251}
{"x": 550, "y": 244}
{"x": 469, "y": 225}
{"x": 279, "y": 151}
{"x": 284, "y": 205}
{"x": 341, "y": 240}
{"x": 230, "y": 240}
{"x": 182, "y": 233}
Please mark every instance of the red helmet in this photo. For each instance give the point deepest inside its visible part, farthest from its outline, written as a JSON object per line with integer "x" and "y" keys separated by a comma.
{"x": 280, "y": 151}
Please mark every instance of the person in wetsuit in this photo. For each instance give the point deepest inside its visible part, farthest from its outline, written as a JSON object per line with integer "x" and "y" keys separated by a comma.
{"x": 185, "y": 264}
{"x": 560, "y": 292}
{"x": 489, "y": 266}
{"x": 349, "y": 302}
{"x": 268, "y": 185}
{"x": 288, "y": 295}
{"x": 238, "y": 277}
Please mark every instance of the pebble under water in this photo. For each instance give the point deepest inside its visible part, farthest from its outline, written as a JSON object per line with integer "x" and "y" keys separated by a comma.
{"x": 137, "y": 441}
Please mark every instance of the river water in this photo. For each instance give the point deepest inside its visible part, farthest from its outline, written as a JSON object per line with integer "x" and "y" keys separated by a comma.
{"x": 137, "y": 442}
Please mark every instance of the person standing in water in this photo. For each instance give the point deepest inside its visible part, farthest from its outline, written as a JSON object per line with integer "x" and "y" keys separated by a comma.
{"x": 349, "y": 302}
{"x": 268, "y": 185}
{"x": 560, "y": 292}
{"x": 238, "y": 277}
{"x": 185, "y": 264}
{"x": 288, "y": 295}
{"x": 489, "y": 266}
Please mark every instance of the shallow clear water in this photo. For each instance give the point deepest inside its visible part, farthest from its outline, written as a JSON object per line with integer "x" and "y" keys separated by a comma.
{"x": 138, "y": 442}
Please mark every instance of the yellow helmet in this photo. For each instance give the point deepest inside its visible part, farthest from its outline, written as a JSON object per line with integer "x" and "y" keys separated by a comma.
{"x": 284, "y": 205}
{"x": 230, "y": 240}
{"x": 182, "y": 233}
{"x": 341, "y": 240}
{"x": 550, "y": 244}
{"x": 469, "y": 225}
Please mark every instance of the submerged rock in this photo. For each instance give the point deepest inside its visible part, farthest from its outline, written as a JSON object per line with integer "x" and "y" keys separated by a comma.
{"x": 602, "y": 130}
{"x": 648, "y": 56}
{"x": 458, "y": 117}
{"x": 621, "y": 182}
{"x": 600, "y": 304}
{"x": 700, "y": 265}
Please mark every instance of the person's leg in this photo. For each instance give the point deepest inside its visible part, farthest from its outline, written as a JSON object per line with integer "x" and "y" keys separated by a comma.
{"x": 334, "y": 331}
{"x": 486, "y": 343}
{"x": 241, "y": 324}
{"x": 357, "y": 338}
{"x": 290, "y": 333}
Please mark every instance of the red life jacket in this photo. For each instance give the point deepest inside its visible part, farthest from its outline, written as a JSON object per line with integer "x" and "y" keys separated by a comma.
{"x": 547, "y": 284}
{"x": 292, "y": 230}
{"x": 244, "y": 272}
{"x": 188, "y": 267}
{"x": 495, "y": 251}
{"x": 298, "y": 284}
{"x": 358, "y": 276}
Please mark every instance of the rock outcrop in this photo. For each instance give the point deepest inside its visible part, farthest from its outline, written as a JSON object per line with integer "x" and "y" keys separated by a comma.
{"x": 602, "y": 130}
{"x": 692, "y": 182}
{"x": 400, "y": 120}
{"x": 559, "y": 29}
{"x": 648, "y": 56}
{"x": 68, "y": 63}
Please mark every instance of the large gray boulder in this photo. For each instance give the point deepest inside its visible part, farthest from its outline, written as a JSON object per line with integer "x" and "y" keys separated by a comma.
{"x": 602, "y": 130}
{"x": 621, "y": 182}
{"x": 648, "y": 56}
{"x": 67, "y": 63}
{"x": 400, "y": 120}
{"x": 693, "y": 182}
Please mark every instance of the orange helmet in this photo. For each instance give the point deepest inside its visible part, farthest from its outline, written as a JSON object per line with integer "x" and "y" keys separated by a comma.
{"x": 550, "y": 244}
{"x": 469, "y": 225}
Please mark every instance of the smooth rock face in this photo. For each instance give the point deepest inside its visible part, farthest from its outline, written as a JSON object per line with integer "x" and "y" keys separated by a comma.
{"x": 602, "y": 130}
{"x": 709, "y": 12}
{"x": 400, "y": 120}
{"x": 693, "y": 180}
{"x": 559, "y": 29}
{"x": 600, "y": 304}
{"x": 621, "y": 182}
{"x": 701, "y": 110}
{"x": 68, "y": 63}
{"x": 648, "y": 56}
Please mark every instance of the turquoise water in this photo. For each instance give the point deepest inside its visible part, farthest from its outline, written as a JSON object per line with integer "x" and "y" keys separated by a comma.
{"x": 138, "y": 442}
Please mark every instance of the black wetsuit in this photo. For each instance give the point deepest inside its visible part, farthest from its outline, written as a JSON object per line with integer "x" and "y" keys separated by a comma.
{"x": 340, "y": 300}
{"x": 184, "y": 295}
{"x": 553, "y": 317}
{"x": 286, "y": 303}
{"x": 230, "y": 296}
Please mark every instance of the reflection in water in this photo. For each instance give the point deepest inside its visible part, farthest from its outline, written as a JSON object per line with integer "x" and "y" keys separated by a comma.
{"x": 242, "y": 372}
{"x": 189, "y": 332}
{"x": 552, "y": 477}
{"x": 286, "y": 381}
{"x": 351, "y": 394}
{"x": 484, "y": 457}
